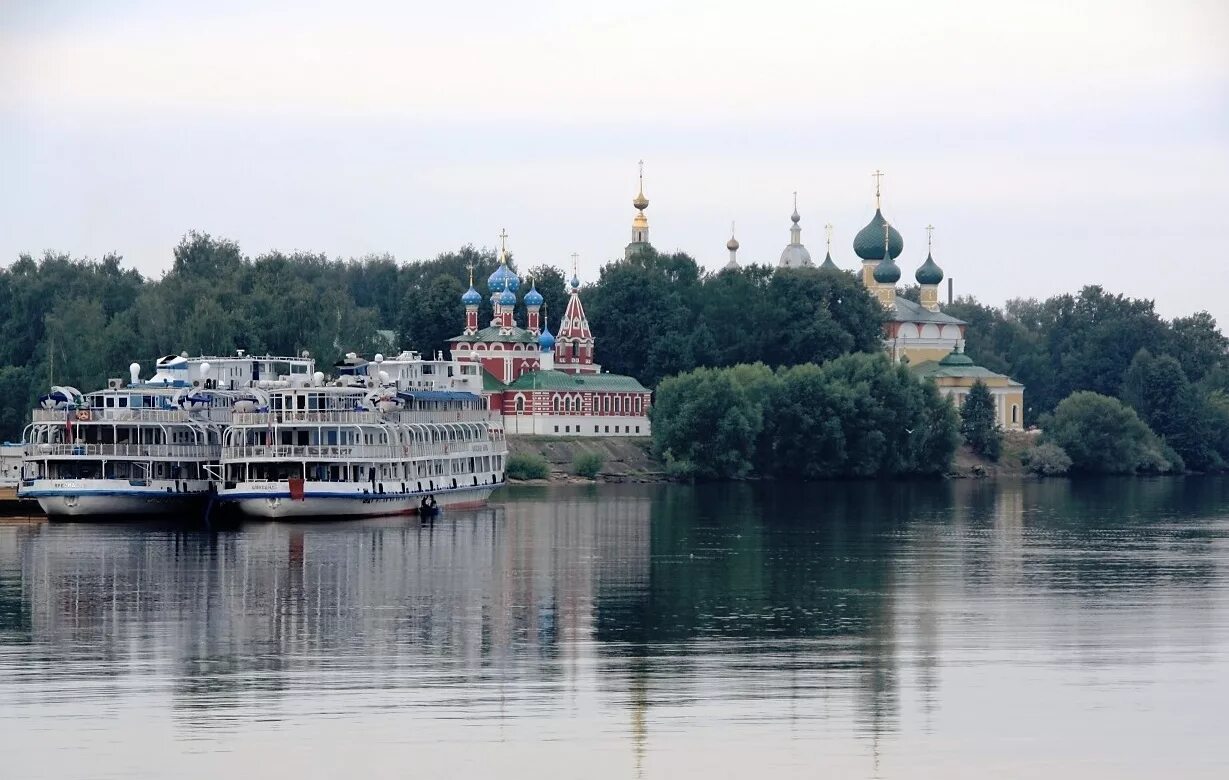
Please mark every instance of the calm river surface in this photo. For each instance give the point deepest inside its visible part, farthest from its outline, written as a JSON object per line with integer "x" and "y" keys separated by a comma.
{"x": 966, "y": 629}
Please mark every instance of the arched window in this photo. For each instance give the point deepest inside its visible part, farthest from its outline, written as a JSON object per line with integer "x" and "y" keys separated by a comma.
{"x": 638, "y": 402}
{"x": 554, "y": 402}
{"x": 520, "y": 404}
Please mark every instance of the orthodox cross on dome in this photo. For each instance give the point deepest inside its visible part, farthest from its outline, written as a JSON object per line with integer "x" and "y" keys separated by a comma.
{"x": 503, "y": 245}
{"x": 828, "y": 230}
{"x": 930, "y": 229}
{"x": 470, "y": 266}
{"x": 575, "y": 264}
{"x": 878, "y": 176}
{"x": 641, "y": 164}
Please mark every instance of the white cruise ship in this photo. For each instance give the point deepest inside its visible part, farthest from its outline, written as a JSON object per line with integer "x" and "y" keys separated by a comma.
{"x": 145, "y": 446}
{"x": 387, "y": 437}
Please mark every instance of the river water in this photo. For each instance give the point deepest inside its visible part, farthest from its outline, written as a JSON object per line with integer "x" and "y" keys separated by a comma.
{"x": 965, "y": 629}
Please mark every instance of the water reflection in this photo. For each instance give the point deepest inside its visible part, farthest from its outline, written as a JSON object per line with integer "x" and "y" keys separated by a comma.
{"x": 866, "y": 616}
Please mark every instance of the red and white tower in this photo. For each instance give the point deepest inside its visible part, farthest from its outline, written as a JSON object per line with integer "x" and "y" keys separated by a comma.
{"x": 574, "y": 341}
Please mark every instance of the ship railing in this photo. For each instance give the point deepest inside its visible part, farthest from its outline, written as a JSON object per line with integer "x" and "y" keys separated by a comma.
{"x": 77, "y": 416}
{"x": 353, "y": 451}
{"x": 185, "y": 451}
{"x": 358, "y": 418}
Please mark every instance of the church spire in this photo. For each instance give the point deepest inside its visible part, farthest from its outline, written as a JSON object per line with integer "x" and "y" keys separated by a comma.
{"x": 795, "y": 255}
{"x": 886, "y": 273}
{"x": 732, "y": 245}
{"x": 929, "y": 275}
{"x": 827, "y": 264}
{"x": 574, "y": 341}
{"x": 640, "y": 223}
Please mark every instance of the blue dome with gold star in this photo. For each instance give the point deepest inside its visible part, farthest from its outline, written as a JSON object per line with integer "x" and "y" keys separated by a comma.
{"x": 503, "y": 277}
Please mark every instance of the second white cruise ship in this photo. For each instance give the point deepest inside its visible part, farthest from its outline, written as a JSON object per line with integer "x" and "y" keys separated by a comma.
{"x": 385, "y": 437}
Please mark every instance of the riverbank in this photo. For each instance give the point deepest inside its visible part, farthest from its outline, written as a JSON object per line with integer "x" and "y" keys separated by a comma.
{"x": 623, "y": 460}
{"x": 632, "y": 460}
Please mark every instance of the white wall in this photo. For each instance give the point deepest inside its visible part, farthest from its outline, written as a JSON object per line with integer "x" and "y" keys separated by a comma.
{"x": 575, "y": 425}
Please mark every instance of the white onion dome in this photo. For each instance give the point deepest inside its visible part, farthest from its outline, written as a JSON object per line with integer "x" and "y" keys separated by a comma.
{"x": 795, "y": 256}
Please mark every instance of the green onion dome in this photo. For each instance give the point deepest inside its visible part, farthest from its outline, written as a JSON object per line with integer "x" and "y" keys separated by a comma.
{"x": 868, "y": 244}
{"x": 887, "y": 272}
{"x": 929, "y": 272}
{"x": 956, "y": 359}
{"x": 828, "y": 265}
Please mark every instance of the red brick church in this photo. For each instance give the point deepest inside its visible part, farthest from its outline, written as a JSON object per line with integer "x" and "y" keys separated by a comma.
{"x": 546, "y": 384}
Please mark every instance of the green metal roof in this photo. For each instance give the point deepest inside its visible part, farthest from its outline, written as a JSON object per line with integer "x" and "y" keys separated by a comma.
{"x": 494, "y": 334}
{"x": 559, "y": 380}
{"x": 908, "y": 311}
{"x": 491, "y": 384}
{"x": 940, "y": 368}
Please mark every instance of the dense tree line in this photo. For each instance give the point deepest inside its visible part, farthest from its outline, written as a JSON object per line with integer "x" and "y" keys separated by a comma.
{"x": 857, "y": 415}
{"x": 77, "y": 322}
{"x": 71, "y": 321}
{"x": 1173, "y": 375}
{"x": 655, "y": 315}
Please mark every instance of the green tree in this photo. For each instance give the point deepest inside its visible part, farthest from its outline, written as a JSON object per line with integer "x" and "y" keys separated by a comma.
{"x": 553, "y": 287}
{"x": 1102, "y": 435}
{"x": 705, "y": 419}
{"x": 1158, "y": 389}
{"x": 979, "y": 422}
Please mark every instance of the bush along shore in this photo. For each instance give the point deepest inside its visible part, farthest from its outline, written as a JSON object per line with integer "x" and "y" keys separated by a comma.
{"x": 858, "y": 416}
{"x": 862, "y": 416}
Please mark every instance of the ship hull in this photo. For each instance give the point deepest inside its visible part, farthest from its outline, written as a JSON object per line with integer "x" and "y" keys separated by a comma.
{"x": 273, "y": 500}
{"x": 104, "y": 498}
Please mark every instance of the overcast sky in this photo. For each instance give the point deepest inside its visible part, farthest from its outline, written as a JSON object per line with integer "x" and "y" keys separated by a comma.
{"x": 1051, "y": 144}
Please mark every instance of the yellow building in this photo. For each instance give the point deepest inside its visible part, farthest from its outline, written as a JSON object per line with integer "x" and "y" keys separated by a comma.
{"x": 955, "y": 374}
{"x": 921, "y": 334}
